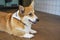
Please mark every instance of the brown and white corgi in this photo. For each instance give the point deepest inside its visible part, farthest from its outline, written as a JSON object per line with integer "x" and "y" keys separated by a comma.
{"x": 19, "y": 23}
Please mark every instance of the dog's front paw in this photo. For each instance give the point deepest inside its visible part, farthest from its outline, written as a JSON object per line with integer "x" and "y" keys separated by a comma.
{"x": 28, "y": 36}
{"x": 33, "y": 31}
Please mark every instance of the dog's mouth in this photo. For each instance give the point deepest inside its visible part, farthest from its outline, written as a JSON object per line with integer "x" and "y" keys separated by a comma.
{"x": 32, "y": 22}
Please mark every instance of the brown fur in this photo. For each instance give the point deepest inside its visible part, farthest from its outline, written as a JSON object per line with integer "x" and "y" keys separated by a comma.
{"x": 5, "y": 21}
{"x": 28, "y": 9}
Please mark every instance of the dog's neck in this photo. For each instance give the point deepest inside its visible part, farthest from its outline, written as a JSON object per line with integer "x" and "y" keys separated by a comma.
{"x": 15, "y": 15}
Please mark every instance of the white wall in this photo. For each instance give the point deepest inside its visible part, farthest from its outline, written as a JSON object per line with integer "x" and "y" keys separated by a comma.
{"x": 49, "y": 6}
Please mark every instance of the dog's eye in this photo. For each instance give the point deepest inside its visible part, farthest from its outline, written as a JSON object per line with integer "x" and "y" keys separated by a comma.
{"x": 30, "y": 14}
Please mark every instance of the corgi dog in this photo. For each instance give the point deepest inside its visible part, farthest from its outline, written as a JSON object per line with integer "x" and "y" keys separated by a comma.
{"x": 20, "y": 22}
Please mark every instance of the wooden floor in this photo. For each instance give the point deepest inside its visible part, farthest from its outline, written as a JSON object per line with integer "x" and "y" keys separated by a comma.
{"x": 48, "y": 28}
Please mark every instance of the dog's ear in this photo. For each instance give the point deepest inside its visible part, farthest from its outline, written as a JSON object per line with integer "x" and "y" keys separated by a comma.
{"x": 21, "y": 9}
{"x": 32, "y": 4}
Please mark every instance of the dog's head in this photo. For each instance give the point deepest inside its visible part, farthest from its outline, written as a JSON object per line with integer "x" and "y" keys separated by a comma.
{"x": 27, "y": 14}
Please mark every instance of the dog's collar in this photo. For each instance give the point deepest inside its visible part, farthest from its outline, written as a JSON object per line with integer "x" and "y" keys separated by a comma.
{"x": 19, "y": 20}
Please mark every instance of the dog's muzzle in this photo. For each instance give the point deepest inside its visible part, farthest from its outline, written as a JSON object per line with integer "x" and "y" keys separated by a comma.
{"x": 34, "y": 21}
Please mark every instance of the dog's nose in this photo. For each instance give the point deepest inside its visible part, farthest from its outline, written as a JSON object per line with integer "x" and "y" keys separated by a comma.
{"x": 37, "y": 20}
